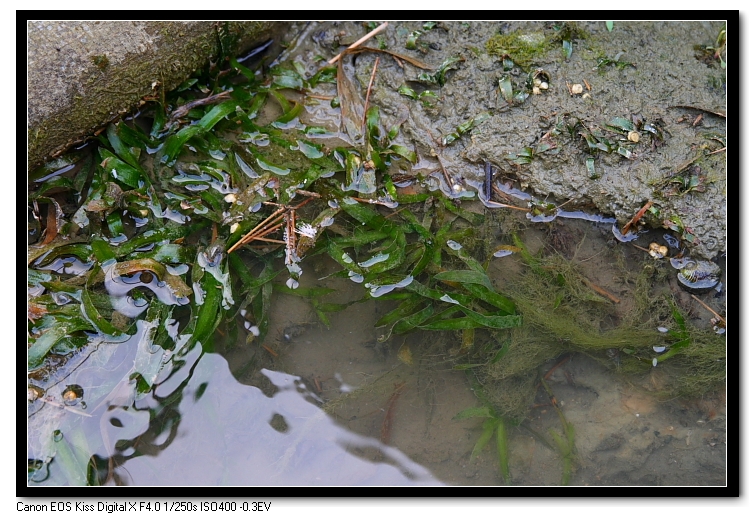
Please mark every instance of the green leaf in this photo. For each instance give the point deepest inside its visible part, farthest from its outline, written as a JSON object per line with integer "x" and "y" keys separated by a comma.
{"x": 92, "y": 314}
{"x": 621, "y": 124}
{"x": 474, "y": 320}
{"x": 492, "y": 297}
{"x": 591, "y": 173}
{"x": 44, "y": 343}
{"x": 626, "y": 153}
{"x": 567, "y": 48}
{"x": 72, "y": 460}
{"x": 504, "y": 84}
{"x": 326, "y": 74}
{"x": 372, "y": 122}
{"x": 465, "y": 277}
{"x": 289, "y": 115}
{"x": 609, "y": 26}
{"x": 403, "y": 152}
{"x": 284, "y": 78}
{"x": 503, "y": 451}
{"x": 120, "y": 148}
{"x": 406, "y": 324}
{"x": 120, "y": 170}
{"x": 488, "y": 428}
{"x": 207, "y": 315}
{"x": 175, "y": 143}
{"x": 408, "y": 92}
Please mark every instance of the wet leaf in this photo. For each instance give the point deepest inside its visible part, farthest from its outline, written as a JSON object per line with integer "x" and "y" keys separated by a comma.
{"x": 465, "y": 128}
{"x": 408, "y": 59}
{"x": 591, "y": 173}
{"x": 285, "y": 78}
{"x": 488, "y": 428}
{"x": 439, "y": 76}
{"x": 120, "y": 148}
{"x": 207, "y": 314}
{"x": 326, "y": 74}
{"x": 101, "y": 324}
{"x": 411, "y": 41}
{"x": 174, "y": 282}
{"x": 609, "y": 26}
{"x": 474, "y": 412}
{"x": 408, "y": 92}
{"x": 567, "y": 49}
{"x": 63, "y": 327}
{"x": 410, "y": 322}
{"x": 626, "y": 153}
{"x": 406, "y": 308}
{"x": 351, "y": 104}
{"x": 465, "y": 277}
{"x": 289, "y": 115}
{"x": 504, "y": 84}
{"x": 174, "y": 144}
{"x": 491, "y": 297}
{"x": 621, "y": 124}
{"x": 121, "y": 171}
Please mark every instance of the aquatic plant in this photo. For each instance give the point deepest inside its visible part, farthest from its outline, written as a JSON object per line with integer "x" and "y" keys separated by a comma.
{"x": 172, "y": 227}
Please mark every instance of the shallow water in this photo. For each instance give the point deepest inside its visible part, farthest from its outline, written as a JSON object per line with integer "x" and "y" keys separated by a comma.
{"x": 253, "y": 415}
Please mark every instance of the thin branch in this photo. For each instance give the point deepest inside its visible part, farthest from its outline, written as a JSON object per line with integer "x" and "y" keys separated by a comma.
{"x": 601, "y": 291}
{"x": 717, "y": 315}
{"x": 369, "y": 90}
{"x": 358, "y": 42}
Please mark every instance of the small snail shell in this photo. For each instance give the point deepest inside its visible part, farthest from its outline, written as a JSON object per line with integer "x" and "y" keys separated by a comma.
{"x": 543, "y": 85}
{"x": 633, "y": 136}
{"x": 576, "y": 89}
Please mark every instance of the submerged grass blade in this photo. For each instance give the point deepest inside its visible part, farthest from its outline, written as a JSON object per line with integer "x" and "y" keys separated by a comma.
{"x": 488, "y": 428}
{"x": 502, "y": 444}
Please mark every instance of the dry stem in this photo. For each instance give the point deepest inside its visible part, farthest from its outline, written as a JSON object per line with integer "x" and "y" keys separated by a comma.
{"x": 717, "y": 315}
{"x": 369, "y": 90}
{"x": 358, "y": 42}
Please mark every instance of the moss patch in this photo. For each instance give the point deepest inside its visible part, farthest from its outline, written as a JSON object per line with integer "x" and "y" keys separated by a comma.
{"x": 522, "y": 47}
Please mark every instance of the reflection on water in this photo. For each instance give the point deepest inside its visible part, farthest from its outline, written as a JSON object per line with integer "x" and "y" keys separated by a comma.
{"x": 201, "y": 427}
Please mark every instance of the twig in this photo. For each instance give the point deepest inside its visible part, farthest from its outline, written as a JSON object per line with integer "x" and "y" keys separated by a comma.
{"x": 717, "y": 315}
{"x": 63, "y": 406}
{"x": 308, "y": 193}
{"x": 358, "y": 42}
{"x": 717, "y": 151}
{"x": 601, "y": 291}
{"x": 504, "y": 195}
{"x": 723, "y": 115}
{"x": 550, "y": 372}
{"x": 442, "y": 167}
{"x": 369, "y": 90}
{"x": 636, "y": 218}
{"x": 265, "y": 239}
{"x": 182, "y": 111}
{"x": 244, "y": 240}
{"x": 385, "y": 430}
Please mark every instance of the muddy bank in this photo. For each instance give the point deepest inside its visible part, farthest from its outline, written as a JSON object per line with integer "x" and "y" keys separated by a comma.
{"x": 639, "y": 72}
{"x": 82, "y": 75}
